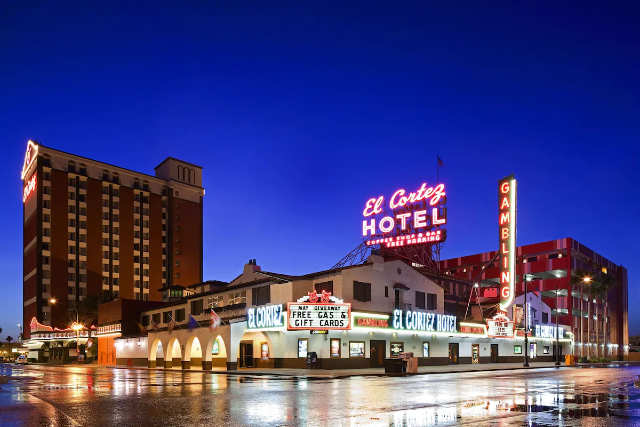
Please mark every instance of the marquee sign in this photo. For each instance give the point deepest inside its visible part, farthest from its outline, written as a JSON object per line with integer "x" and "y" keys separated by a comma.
{"x": 29, "y": 157}
{"x": 507, "y": 227}
{"x": 265, "y": 316}
{"x": 500, "y": 326}
{"x": 318, "y": 312}
{"x": 419, "y": 321}
{"x": 411, "y": 217}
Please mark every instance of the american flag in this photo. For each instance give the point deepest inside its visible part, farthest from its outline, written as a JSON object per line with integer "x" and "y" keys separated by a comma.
{"x": 215, "y": 319}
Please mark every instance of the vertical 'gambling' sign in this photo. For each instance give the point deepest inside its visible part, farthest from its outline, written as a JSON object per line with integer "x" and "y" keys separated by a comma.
{"x": 507, "y": 223}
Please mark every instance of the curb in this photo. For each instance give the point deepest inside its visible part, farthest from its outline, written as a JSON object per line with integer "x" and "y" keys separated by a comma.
{"x": 329, "y": 377}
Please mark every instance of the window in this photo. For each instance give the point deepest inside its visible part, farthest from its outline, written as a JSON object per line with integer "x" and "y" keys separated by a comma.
{"x": 532, "y": 259}
{"x": 420, "y": 300}
{"x": 324, "y": 286}
{"x": 166, "y": 316}
{"x": 396, "y": 348}
{"x": 261, "y": 295}
{"x": 545, "y": 317}
{"x": 145, "y": 320}
{"x": 425, "y": 349}
{"x": 517, "y": 349}
{"x": 334, "y": 348}
{"x": 264, "y": 351}
{"x": 196, "y": 307}
{"x": 155, "y": 318}
{"x": 432, "y": 302}
{"x": 386, "y": 292}
{"x": 546, "y": 349}
{"x": 180, "y": 315}
{"x": 356, "y": 348}
{"x": 303, "y": 344}
{"x": 361, "y": 291}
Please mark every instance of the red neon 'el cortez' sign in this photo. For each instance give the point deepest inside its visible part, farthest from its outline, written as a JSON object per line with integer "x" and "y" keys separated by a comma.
{"x": 410, "y": 214}
{"x": 507, "y": 227}
{"x": 29, "y": 188}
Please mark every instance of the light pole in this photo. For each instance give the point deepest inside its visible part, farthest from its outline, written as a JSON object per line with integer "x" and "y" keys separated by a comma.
{"x": 585, "y": 280}
{"x": 557, "y": 329}
{"x": 525, "y": 279}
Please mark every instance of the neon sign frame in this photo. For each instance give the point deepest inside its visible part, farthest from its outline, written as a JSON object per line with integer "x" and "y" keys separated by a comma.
{"x": 507, "y": 239}
{"x": 29, "y": 157}
{"x": 406, "y": 222}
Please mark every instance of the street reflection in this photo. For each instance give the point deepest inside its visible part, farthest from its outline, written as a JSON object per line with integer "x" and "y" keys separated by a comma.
{"x": 141, "y": 396}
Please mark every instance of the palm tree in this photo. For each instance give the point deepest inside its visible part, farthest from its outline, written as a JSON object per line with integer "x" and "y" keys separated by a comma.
{"x": 9, "y": 339}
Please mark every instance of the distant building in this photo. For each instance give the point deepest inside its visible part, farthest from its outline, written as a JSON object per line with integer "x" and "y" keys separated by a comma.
{"x": 92, "y": 230}
{"x": 599, "y": 327}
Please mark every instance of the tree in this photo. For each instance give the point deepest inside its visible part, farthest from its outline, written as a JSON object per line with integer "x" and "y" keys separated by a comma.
{"x": 9, "y": 339}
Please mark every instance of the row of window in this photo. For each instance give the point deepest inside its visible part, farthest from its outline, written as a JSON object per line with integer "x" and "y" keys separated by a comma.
{"x": 362, "y": 292}
{"x": 357, "y": 348}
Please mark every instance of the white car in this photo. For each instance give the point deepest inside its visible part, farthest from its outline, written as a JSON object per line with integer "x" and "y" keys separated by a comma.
{"x": 22, "y": 360}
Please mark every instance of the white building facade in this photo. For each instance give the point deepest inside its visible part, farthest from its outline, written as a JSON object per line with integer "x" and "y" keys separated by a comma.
{"x": 377, "y": 310}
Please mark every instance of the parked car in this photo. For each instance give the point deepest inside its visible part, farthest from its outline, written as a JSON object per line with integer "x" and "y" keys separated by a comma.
{"x": 21, "y": 360}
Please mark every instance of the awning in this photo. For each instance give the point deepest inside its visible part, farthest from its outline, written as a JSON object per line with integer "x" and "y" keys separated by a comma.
{"x": 400, "y": 286}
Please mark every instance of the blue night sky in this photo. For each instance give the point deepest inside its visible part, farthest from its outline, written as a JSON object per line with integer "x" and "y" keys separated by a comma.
{"x": 299, "y": 114}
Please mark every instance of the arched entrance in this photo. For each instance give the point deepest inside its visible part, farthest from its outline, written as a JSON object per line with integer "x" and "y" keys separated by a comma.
{"x": 156, "y": 354}
{"x": 173, "y": 358}
{"x": 215, "y": 353}
{"x": 192, "y": 354}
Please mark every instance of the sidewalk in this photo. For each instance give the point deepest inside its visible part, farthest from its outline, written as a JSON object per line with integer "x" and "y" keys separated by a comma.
{"x": 422, "y": 370}
{"x": 345, "y": 373}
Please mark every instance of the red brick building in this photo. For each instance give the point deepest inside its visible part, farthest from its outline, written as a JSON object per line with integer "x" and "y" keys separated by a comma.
{"x": 95, "y": 231}
{"x": 599, "y": 325}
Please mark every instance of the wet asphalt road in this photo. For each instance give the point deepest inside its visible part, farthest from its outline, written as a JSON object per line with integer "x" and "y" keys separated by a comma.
{"x": 39, "y": 395}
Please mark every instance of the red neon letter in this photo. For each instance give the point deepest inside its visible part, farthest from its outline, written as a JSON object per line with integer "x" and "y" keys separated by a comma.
{"x": 505, "y": 203}
{"x": 505, "y": 218}
{"x": 504, "y": 188}
{"x": 401, "y": 201}
{"x": 372, "y": 206}
{"x": 435, "y": 220}
{"x": 420, "y": 219}
{"x": 370, "y": 228}
{"x": 403, "y": 220}
{"x": 438, "y": 193}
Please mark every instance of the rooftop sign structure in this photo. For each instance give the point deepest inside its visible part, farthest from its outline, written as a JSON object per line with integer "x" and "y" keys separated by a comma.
{"x": 408, "y": 218}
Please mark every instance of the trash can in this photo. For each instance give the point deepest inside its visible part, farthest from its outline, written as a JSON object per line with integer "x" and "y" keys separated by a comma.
{"x": 569, "y": 360}
{"x": 312, "y": 360}
{"x": 411, "y": 363}
{"x": 395, "y": 366}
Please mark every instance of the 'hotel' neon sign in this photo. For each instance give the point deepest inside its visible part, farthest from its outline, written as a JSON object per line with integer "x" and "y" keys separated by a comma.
{"x": 507, "y": 226}
{"x": 409, "y": 219}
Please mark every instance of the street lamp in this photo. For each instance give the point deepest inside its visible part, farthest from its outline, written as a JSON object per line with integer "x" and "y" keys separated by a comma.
{"x": 525, "y": 279}
{"x": 52, "y": 300}
{"x": 77, "y": 326}
{"x": 557, "y": 329}
{"x": 585, "y": 280}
